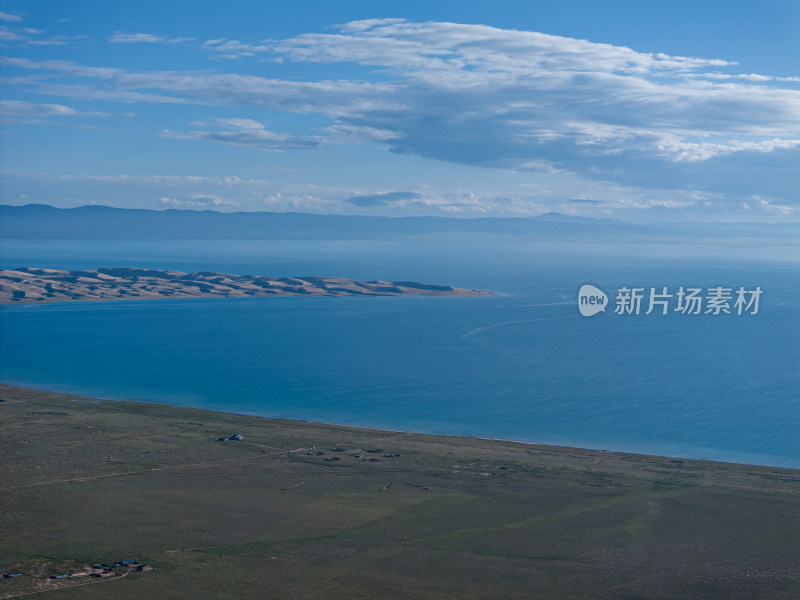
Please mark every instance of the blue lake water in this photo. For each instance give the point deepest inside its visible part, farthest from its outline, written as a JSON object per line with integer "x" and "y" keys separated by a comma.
{"x": 520, "y": 365}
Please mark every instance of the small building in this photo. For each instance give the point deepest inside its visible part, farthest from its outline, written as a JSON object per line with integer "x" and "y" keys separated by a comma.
{"x": 11, "y": 575}
{"x": 62, "y": 576}
{"x": 126, "y": 563}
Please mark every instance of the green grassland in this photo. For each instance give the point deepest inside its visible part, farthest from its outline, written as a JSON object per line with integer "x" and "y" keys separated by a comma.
{"x": 310, "y": 511}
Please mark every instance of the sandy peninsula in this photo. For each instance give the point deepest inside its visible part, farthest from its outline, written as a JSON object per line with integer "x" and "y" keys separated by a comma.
{"x": 26, "y": 284}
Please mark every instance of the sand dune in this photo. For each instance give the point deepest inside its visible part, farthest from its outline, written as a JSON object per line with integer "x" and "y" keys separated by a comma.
{"x": 28, "y": 284}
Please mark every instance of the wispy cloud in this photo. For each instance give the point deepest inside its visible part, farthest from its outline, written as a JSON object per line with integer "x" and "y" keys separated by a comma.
{"x": 144, "y": 38}
{"x": 681, "y": 151}
{"x": 584, "y": 201}
{"x": 9, "y": 35}
{"x": 198, "y": 201}
{"x": 753, "y": 77}
{"x": 88, "y": 92}
{"x": 65, "y": 67}
{"x": 434, "y": 47}
{"x": 11, "y": 18}
{"x": 245, "y": 132}
{"x": 386, "y": 199}
{"x": 56, "y": 40}
{"x": 28, "y": 36}
{"x": 18, "y": 108}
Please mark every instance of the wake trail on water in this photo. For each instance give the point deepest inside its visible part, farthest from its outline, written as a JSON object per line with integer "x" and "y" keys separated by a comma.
{"x": 550, "y": 303}
{"x": 478, "y": 330}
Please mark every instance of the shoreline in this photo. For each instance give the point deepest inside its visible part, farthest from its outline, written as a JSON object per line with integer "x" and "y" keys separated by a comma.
{"x": 219, "y": 501}
{"x": 81, "y": 397}
{"x": 10, "y": 304}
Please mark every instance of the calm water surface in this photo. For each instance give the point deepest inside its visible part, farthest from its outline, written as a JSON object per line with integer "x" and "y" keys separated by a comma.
{"x": 519, "y": 365}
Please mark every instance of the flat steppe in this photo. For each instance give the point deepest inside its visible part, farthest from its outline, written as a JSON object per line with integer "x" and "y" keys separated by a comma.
{"x": 299, "y": 510}
{"x": 26, "y": 284}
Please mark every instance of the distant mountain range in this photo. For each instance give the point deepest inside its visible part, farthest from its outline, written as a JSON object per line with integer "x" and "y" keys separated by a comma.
{"x": 39, "y": 221}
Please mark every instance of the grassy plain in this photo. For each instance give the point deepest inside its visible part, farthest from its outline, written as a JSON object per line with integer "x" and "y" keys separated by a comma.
{"x": 310, "y": 511}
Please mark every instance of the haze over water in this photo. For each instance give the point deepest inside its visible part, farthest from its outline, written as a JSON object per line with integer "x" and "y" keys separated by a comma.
{"x": 520, "y": 365}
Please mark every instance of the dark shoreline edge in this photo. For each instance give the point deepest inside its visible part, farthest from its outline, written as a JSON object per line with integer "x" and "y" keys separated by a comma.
{"x": 77, "y": 397}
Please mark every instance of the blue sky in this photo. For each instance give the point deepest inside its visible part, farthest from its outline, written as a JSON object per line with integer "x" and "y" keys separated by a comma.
{"x": 640, "y": 111}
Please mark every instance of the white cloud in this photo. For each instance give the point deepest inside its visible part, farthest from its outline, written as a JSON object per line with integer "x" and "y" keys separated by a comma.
{"x": 198, "y": 201}
{"x": 235, "y": 49}
{"x": 335, "y": 98}
{"x": 754, "y": 77}
{"x": 50, "y": 42}
{"x": 22, "y": 36}
{"x": 63, "y": 66}
{"x": 770, "y": 206}
{"x": 681, "y": 151}
{"x": 11, "y": 18}
{"x": 18, "y": 108}
{"x": 56, "y": 40}
{"x": 144, "y": 38}
{"x": 246, "y": 132}
{"x": 133, "y": 38}
{"x": 87, "y": 92}
{"x": 9, "y": 35}
{"x": 447, "y": 48}
{"x": 365, "y": 24}
{"x": 384, "y": 199}
{"x": 453, "y": 48}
